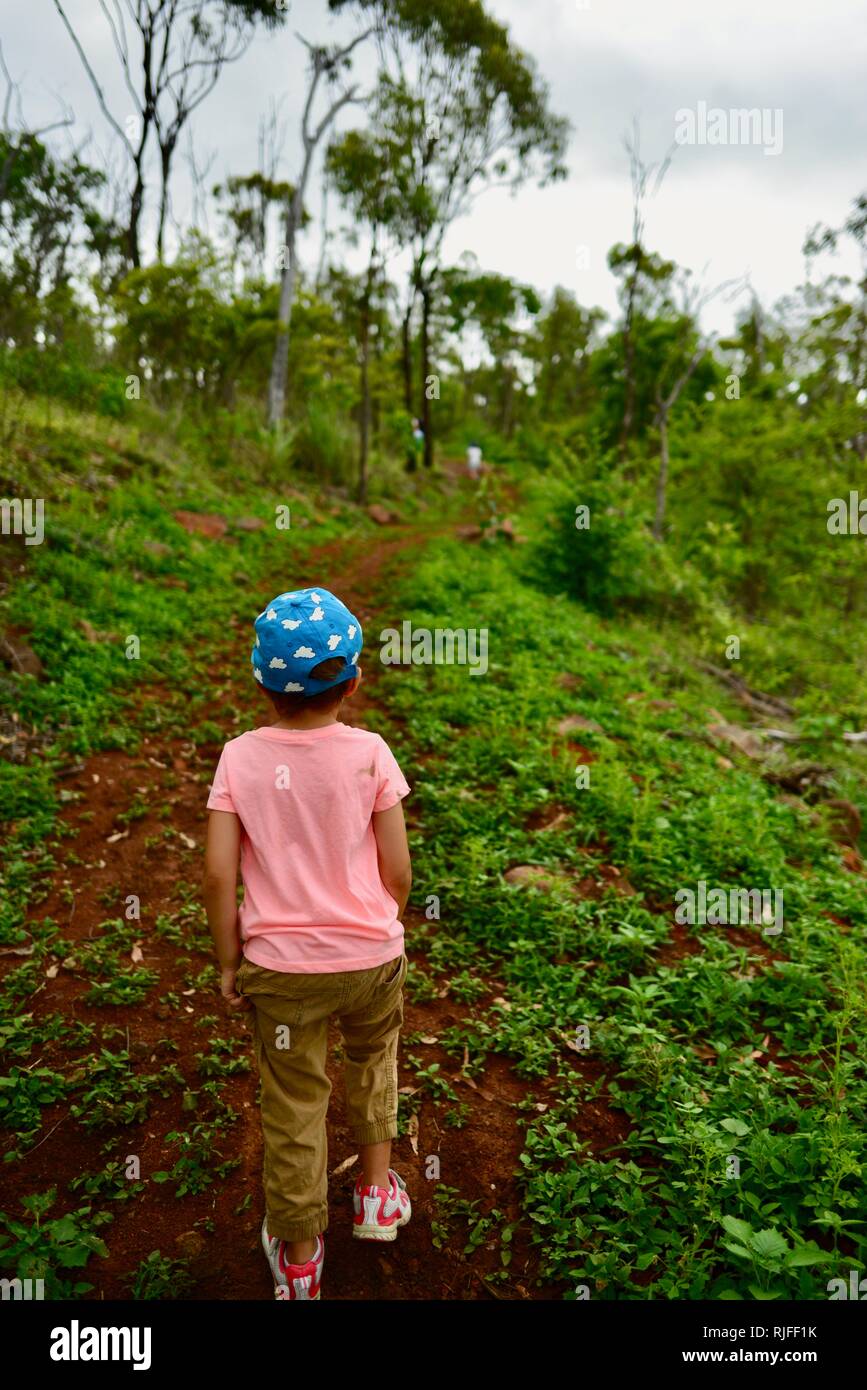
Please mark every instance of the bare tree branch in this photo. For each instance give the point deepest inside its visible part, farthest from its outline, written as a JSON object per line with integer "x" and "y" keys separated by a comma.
{"x": 100, "y": 95}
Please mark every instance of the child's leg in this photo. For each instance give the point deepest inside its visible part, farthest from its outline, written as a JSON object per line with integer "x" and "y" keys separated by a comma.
{"x": 375, "y": 1162}
{"x": 370, "y": 1024}
{"x": 290, "y": 1034}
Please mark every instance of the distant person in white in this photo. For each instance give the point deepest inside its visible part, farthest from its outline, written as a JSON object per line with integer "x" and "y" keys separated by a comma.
{"x": 474, "y": 460}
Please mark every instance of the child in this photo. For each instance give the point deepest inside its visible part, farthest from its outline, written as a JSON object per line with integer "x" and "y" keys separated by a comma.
{"x": 312, "y": 807}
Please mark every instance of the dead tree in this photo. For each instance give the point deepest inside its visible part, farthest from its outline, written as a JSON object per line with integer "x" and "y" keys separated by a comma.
{"x": 328, "y": 64}
{"x": 640, "y": 174}
{"x": 184, "y": 46}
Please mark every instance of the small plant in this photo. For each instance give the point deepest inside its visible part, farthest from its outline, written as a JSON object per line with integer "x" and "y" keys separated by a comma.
{"x": 160, "y": 1277}
{"x": 43, "y": 1248}
{"x": 23, "y": 1094}
{"x": 429, "y": 1077}
{"x": 111, "y": 1183}
{"x": 195, "y": 1169}
{"x": 770, "y": 1256}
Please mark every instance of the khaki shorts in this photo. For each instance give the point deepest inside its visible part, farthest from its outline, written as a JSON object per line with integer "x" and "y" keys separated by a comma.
{"x": 290, "y": 1033}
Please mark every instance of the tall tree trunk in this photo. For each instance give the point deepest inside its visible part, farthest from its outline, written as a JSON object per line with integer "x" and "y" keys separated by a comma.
{"x": 324, "y": 61}
{"x": 628, "y": 366}
{"x": 426, "y": 412}
{"x": 166, "y": 152}
{"x": 406, "y": 353}
{"x": 136, "y": 204}
{"x": 280, "y": 360}
{"x": 364, "y": 419}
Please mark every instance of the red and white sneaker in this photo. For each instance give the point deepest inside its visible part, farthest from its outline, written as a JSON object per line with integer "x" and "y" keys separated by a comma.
{"x": 301, "y": 1282}
{"x": 380, "y": 1211}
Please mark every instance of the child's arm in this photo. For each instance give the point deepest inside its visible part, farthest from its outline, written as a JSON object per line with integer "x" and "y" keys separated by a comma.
{"x": 393, "y": 853}
{"x": 219, "y": 887}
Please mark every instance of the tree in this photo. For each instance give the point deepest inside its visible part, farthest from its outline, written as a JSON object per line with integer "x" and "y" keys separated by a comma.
{"x": 249, "y": 198}
{"x": 22, "y": 139}
{"x": 492, "y": 303}
{"x": 831, "y": 364}
{"x": 633, "y": 262}
{"x": 686, "y": 348}
{"x": 465, "y": 110}
{"x": 328, "y": 64}
{"x": 183, "y": 47}
{"x": 184, "y": 325}
{"x": 359, "y": 166}
{"x": 46, "y": 206}
{"x": 561, "y": 349}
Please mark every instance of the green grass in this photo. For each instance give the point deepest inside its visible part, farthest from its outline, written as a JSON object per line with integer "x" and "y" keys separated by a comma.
{"x": 731, "y": 1162}
{"x": 661, "y": 1216}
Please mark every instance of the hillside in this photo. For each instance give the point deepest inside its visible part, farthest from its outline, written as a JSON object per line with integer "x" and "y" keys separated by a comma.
{"x": 597, "y": 1099}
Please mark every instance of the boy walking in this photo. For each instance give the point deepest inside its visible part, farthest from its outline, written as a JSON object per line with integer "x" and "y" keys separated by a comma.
{"x": 312, "y": 810}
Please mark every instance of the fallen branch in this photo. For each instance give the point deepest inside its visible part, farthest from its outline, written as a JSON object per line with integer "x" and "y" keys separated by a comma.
{"x": 754, "y": 699}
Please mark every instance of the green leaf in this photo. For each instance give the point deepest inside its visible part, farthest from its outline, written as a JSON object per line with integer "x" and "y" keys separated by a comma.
{"x": 737, "y": 1250}
{"x": 741, "y": 1230}
{"x": 809, "y": 1254}
{"x": 769, "y": 1244}
{"x": 735, "y": 1127}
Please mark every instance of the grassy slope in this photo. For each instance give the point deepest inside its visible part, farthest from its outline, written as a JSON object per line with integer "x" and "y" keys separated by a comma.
{"x": 116, "y": 558}
{"x": 703, "y": 1045}
{"x": 706, "y": 1043}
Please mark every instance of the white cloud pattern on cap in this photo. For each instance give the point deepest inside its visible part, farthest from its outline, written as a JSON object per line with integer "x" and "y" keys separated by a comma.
{"x": 331, "y": 642}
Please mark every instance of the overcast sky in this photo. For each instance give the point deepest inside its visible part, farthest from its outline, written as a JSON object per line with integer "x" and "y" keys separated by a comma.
{"x": 723, "y": 209}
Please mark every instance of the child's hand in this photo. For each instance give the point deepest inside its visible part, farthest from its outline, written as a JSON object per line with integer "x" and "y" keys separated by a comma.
{"x": 228, "y": 991}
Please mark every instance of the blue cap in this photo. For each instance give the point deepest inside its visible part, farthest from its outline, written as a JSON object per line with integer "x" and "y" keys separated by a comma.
{"x": 296, "y": 632}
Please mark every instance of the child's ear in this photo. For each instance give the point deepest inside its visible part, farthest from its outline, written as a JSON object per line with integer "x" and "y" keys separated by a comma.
{"x": 352, "y": 686}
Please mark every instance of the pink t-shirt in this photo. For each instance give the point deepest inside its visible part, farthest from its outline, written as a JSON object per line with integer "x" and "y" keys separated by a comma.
{"x": 313, "y": 901}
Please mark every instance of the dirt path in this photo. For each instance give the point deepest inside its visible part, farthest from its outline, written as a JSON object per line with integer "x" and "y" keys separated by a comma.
{"x": 218, "y": 1227}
